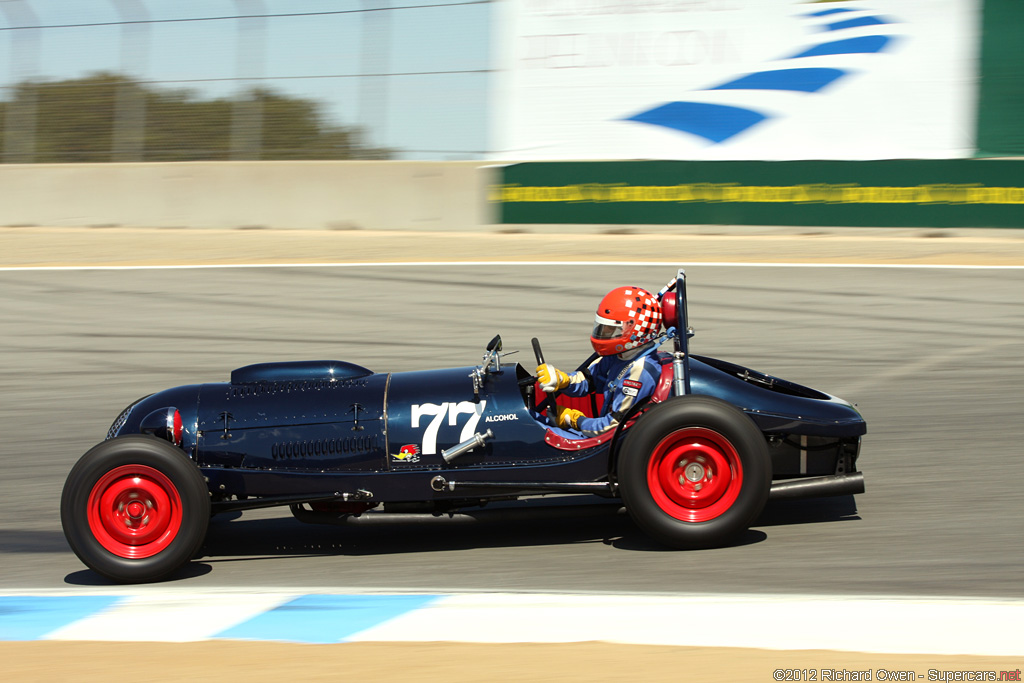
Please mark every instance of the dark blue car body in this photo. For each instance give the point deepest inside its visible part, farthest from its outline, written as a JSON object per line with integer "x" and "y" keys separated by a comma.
{"x": 320, "y": 427}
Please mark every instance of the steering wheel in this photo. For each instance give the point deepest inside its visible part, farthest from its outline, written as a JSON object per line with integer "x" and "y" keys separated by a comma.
{"x": 550, "y": 406}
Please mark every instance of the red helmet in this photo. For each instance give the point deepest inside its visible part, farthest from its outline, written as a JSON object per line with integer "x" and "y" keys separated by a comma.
{"x": 627, "y": 318}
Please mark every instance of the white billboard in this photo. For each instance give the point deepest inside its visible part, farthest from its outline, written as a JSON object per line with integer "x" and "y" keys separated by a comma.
{"x": 735, "y": 79}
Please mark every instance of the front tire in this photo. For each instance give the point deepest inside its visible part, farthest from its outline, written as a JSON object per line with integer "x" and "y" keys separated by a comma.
{"x": 135, "y": 509}
{"x": 695, "y": 472}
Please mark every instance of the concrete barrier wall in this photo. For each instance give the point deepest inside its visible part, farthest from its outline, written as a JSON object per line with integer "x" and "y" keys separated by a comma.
{"x": 473, "y": 196}
{"x": 372, "y": 195}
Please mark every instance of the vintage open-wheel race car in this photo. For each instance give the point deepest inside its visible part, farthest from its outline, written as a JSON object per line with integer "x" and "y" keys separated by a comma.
{"x": 693, "y": 465}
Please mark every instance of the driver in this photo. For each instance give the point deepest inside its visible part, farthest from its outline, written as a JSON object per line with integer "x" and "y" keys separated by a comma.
{"x": 626, "y": 326}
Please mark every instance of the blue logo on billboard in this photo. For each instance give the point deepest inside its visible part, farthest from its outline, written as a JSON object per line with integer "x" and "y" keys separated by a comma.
{"x": 720, "y": 122}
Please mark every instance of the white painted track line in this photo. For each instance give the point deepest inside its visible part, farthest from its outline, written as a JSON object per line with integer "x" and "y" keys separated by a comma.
{"x": 460, "y": 264}
{"x": 910, "y": 625}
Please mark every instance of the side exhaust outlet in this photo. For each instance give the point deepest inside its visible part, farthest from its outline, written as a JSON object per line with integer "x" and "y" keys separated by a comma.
{"x": 817, "y": 487}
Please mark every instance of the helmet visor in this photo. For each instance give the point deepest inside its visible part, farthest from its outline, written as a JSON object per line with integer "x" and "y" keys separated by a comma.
{"x": 606, "y": 329}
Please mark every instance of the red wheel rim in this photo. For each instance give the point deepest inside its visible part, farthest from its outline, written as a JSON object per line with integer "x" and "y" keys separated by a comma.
{"x": 695, "y": 474}
{"x": 134, "y": 511}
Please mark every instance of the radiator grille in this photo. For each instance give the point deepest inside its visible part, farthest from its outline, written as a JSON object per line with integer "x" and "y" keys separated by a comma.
{"x": 115, "y": 428}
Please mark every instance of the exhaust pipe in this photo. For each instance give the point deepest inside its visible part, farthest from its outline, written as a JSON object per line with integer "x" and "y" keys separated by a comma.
{"x": 817, "y": 487}
{"x": 466, "y": 446}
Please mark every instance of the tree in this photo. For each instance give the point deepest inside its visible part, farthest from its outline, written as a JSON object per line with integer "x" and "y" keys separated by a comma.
{"x": 75, "y": 121}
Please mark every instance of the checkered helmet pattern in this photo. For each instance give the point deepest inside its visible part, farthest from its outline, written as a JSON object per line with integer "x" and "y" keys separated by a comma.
{"x": 639, "y": 314}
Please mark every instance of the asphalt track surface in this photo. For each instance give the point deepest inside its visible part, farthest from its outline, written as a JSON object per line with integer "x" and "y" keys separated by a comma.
{"x": 933, "y": 357}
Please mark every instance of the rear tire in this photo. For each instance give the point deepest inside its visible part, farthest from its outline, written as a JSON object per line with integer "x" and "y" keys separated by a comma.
{"x": 695, "y": 472}
{"x": 135, "y": 509}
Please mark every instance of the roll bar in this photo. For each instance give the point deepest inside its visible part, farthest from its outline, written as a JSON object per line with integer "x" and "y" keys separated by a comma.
{"x": 681, "y": 339}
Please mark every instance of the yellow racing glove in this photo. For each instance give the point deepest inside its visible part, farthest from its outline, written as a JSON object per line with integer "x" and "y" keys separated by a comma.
{"x": 569, "y": 418}
{"x": 551, "y": 378}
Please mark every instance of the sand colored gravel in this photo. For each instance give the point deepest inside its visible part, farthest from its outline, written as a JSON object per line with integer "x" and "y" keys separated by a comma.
{"x": 179, "y": 246}
{"x": 456, "y": 663}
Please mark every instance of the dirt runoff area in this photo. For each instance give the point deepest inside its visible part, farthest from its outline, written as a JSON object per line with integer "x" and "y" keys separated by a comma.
{"x": 48, "y": 247}
{"x": 454, "y": 663}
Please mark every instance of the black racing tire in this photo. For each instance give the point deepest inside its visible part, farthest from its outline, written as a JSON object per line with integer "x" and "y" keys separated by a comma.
{"x": 694, "y": 472}
{"x": 135, "y": 509}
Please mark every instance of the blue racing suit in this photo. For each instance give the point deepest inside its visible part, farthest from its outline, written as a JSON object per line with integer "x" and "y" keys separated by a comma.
{"x": 624, "y": 382}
